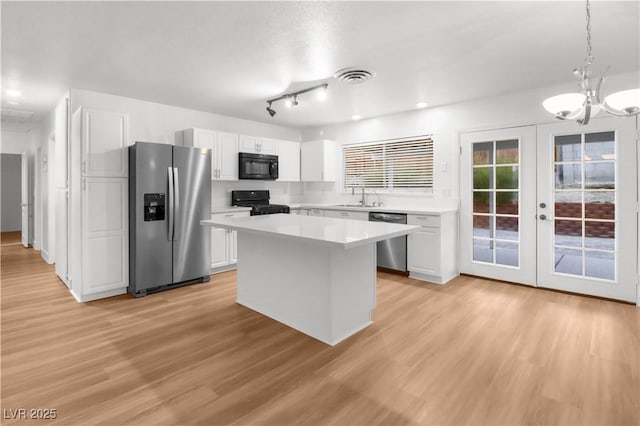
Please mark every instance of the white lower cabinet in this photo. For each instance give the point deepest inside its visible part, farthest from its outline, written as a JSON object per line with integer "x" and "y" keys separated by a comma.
{"x": 224, "y": 245}
{"x": 431, "y": 251}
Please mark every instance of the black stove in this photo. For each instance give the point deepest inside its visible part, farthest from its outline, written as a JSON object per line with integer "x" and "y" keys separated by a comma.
{"x": 258, "y": 201}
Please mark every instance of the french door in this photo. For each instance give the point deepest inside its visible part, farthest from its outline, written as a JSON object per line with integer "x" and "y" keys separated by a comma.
{"x": 552, "y": 206}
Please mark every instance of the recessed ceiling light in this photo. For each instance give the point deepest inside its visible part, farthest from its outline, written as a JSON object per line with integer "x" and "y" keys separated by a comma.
{"x": 355, "y": 117}
{"x": 13, "y": 93}
{"x": 421, "y": 105}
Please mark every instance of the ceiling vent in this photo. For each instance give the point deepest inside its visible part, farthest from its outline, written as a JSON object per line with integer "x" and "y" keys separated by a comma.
{"x": 15, "y": 115}
{"x": 353, "y": 75}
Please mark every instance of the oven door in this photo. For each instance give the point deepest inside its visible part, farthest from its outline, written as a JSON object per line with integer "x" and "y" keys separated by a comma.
{"x": 257, "y": 166}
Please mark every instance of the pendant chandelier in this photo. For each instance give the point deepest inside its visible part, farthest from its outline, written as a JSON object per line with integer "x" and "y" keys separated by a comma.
{"x": 589, "y": 101}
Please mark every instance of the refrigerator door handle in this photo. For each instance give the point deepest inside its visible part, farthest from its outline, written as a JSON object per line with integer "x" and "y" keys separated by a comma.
{"x": 176, "y": 199}
{"x": 171, "y": 209}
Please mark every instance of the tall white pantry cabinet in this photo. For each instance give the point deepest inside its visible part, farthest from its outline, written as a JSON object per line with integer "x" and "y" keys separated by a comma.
{"x": 99, "y": 225}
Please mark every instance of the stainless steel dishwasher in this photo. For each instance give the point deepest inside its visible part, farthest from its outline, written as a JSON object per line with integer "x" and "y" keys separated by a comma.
{"x": 392, "y": 253}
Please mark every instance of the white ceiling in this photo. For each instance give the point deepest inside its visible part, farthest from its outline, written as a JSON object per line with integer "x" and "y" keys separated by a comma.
{"x": 230, "y": 57}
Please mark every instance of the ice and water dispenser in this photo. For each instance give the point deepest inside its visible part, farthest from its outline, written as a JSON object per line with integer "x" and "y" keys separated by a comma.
{"x": 153, "y": 207}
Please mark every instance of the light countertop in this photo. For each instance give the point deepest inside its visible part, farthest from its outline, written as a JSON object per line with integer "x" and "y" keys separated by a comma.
{"x": 325, "y": 231}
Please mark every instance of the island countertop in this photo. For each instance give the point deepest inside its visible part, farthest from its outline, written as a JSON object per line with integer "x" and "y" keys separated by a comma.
{"x": 333, "y": 232}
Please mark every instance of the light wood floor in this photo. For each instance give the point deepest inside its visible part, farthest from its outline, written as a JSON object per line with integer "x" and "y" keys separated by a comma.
{"x": 470, "y": 352}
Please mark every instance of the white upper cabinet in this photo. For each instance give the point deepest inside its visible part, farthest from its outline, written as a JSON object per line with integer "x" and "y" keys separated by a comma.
{"x": 288, "y": 161}
{"x": 226, "y": 156}
{"x": 257, "y": 145}
{"x": 319, "y": 161}
{"x": 224, "y": 151}
{"x": 104, "y": 143}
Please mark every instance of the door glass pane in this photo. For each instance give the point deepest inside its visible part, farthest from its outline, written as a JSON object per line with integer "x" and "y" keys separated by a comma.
{"x": 496, "y": 190}
{"x": 568, "y": 148}
{"x": 507, "y": 152}
{"x": 600, "y": 205}
{"x": 506, "y": 253}
{"x": 568, "y": 176}
{"x": 482, "y": 226}
{"x": 600, "y": 235}
{"x": 507, "y": 177}
{"x": 568, "y": 204}
{"x": 507, "y": 228}
{"x": 568, "y": 261}
{"x": 483, "y": 250}
{"x": 482, "y": 153}
{"x": 507, "y": 202}
{"x": 588, "y": 245}
{"x": 482, "y": 202}
{"x": 568, "y": 233}
{"x": 599, "y": 146}
{"x": 599, "y": 264}
{"x": 600, "y": 175}
{"x": 483, "y": 178}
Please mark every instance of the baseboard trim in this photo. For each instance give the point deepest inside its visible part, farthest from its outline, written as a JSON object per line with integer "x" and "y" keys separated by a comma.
{"x": 99, "y": 295}
{"x": 45, "y": 256}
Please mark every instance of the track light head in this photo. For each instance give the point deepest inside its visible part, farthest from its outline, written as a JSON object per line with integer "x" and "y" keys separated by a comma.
{"x": 270, "y": 110}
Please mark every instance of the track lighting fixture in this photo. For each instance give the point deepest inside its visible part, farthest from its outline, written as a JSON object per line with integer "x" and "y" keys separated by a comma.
{"x": 291, "y": 99}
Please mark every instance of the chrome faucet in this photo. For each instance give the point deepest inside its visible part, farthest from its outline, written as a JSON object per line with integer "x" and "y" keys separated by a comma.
{"x": 363, "y": 201}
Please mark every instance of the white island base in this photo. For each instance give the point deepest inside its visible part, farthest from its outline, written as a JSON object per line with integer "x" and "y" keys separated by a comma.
{"x": 326, "y": 292}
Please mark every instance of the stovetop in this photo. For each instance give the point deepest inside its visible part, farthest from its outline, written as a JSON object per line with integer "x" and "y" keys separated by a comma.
{"x": 258, "y": 201}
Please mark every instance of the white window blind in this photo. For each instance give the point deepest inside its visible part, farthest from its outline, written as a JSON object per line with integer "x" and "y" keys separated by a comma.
{"x": 406, "y": 163}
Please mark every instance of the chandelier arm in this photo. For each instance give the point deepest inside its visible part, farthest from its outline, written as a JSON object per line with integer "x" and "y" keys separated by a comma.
{"x": 587, "y": 115}
{"x": 616, "y": 112}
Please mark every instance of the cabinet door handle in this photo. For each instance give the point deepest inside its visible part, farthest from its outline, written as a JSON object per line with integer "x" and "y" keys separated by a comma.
{"x": 84, "y": 166}
{"x": 344, "y": 214}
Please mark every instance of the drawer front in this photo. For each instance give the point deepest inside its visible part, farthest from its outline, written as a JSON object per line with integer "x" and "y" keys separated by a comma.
{"x": 316, "y": 212}
{"x": 228, "y": 215}
{"x": 429, "y": 220}
{"x": 347, "y": 214}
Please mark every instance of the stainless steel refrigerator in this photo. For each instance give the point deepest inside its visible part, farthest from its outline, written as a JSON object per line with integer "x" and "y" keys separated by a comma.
{"x": 169, "y": 194}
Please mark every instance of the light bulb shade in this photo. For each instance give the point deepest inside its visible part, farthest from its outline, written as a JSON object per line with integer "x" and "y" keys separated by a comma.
{"x": 288, "y": 102}
{"x": 627, "y": 101}
{"x": 565, "y": 104}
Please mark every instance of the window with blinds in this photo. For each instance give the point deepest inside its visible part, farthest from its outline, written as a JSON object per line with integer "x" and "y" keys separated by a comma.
{"x": 396, "y": 164}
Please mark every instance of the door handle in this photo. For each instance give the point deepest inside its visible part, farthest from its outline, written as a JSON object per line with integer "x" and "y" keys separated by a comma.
{"x": 176, "y": 201}
{"x": 171, "y": 200}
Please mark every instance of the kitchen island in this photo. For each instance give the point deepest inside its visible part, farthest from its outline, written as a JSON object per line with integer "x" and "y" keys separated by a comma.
{"x": 314, "y": 274}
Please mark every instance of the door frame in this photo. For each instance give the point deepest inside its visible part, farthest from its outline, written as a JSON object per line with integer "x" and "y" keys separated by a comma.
{"x": 25, "y": 206}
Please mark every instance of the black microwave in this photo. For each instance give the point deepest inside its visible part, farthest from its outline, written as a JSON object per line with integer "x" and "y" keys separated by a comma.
{"x": 257, "y": 166}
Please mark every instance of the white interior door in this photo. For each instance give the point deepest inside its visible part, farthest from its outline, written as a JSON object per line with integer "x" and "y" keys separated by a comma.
{"x": 24, "y": 201}
{"x": 587, "y": 229}
{"x": 552, "y": 206}
{"x": 497, "y": 220}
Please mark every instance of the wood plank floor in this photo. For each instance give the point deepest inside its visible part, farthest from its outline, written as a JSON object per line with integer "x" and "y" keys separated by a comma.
{"x": 471, "y": 352}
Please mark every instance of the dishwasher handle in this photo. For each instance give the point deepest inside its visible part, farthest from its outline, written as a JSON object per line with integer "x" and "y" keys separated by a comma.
{"x": 388, "y": 217}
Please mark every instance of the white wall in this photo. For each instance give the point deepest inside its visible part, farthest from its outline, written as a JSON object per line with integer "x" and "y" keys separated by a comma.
{"x": 14, "y": 142}
{"x": 11, "y": 182}
{"x": 445, "y": 123}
